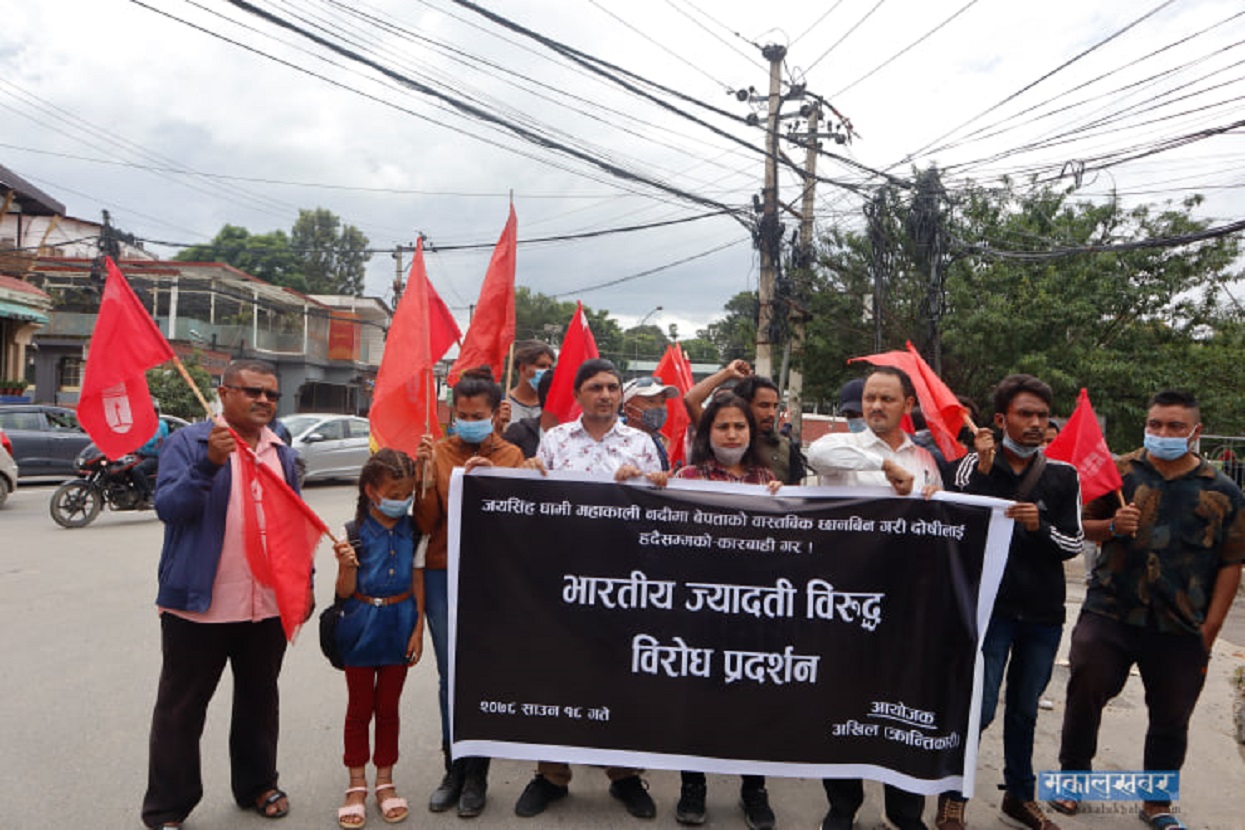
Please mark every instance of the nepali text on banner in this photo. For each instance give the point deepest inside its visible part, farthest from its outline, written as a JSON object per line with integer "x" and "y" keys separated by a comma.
{"x": 822, "y": 632}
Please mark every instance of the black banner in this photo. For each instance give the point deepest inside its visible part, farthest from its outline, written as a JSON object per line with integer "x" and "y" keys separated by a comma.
{"x": 824, "y": 632}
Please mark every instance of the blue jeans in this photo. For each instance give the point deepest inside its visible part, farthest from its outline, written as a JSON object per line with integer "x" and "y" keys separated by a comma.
{"x": 437, "y": 613}
{"x": 1032, "y": 648}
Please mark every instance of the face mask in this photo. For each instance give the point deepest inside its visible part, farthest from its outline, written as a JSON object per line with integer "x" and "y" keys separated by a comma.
{"x": 1166, "y": 449}
{"x": 474, "y": 432}
{"x": 534, "y": 380}
{"x": 1019, "y": 449}
{"x": 728, "y": 456}
{"x": 857, "y": 425}
{"x": 393, "y": 508}
{"x": 654, "y": 419}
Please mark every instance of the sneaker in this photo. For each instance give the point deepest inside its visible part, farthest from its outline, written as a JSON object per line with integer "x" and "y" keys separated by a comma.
{"x": 950, "y": 813}
{"x": 537, "y": 795}
{"x": 1024, "y": 814}
{"x": 632, "y": 791}
{"x": 757, "y": 812}
{"x": 691, "y": 806}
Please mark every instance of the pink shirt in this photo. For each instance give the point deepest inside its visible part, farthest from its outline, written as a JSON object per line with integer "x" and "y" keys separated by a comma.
{"x": 236, "y": 596}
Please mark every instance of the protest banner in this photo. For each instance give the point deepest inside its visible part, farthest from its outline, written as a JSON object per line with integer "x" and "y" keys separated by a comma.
{"x": 823, "y": 632}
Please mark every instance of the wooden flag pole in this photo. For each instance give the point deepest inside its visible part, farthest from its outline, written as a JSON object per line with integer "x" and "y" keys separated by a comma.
{"x": 207, "y": 409}
{"x": 429, "y": 413}
{"x": 509, "y": 371}
{"x": 194, "y": 387}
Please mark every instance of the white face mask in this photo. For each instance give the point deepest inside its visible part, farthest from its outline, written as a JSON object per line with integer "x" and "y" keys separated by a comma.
{"x": 728, "y": 456}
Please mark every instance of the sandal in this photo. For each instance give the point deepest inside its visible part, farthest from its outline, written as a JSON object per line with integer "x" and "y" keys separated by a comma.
{"x": 1161, "y": 821}
{"x": 353, "y": 816}
{"x": 394, "y": 803}
{"x": 1067, "y": 806}
{"x": 270, "y": 799}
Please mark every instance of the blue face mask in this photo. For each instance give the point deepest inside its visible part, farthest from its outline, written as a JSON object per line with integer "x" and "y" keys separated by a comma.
{"x": 1166, "y": 448}
{"x": 473, "y": 432}
{"x": 1020, "y": 450}
{"x": 857, "y": 425}
{"x": 535, "y": 378}
{"x": 394, "y": 508}
{"x": 654, "y": 419}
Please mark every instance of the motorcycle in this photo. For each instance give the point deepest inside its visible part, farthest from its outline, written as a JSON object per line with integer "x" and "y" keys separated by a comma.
{"x": 77, "y": 502}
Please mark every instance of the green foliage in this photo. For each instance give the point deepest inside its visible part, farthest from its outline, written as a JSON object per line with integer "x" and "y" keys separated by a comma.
{"x": 319, "y": 256}
{"x": 700, "y": 350}
{"x": 735, "y": 335}
{"x": 332, "y": 256}
{"x": 169, "y": 388}
{"x": 267, "y": 256}
{"x": 1123, "y": 324}
{"x": 541, "y": 317}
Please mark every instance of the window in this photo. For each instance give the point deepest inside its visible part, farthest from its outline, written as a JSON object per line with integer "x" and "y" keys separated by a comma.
{"x": 332, "y": 430}
{"x": 359, "y": 428}
{"x": 69, "y": 372}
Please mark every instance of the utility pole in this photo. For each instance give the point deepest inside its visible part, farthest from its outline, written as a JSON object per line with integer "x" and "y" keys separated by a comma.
{"x": 769, "y": 232}
{"x": 397, "y": 275}
{"x": 795, "y": 383}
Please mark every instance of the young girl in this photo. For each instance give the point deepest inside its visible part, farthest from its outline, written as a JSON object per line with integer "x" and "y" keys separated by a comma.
{"x": 722, "y": 451}
{"x": 382, "y": 632}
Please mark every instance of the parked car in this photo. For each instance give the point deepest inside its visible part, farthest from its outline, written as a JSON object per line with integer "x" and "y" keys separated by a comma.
{"x": 46, "y": 439}
{"x": 8, "y": 468}
{"x": 331, "y": 446}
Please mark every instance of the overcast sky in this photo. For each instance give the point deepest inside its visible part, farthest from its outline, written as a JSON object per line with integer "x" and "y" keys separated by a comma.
{"x": 111, "y": 104}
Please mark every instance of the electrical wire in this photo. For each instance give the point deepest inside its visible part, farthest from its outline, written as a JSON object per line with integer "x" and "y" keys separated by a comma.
{"x": 845, "y": 36}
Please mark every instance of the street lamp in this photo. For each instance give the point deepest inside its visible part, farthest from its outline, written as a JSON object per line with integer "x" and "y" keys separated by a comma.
{"x": 639, "y": 326}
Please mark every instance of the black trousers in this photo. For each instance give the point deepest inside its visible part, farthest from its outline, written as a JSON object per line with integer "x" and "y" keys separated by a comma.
{"x": 902, "y": 808}
{"x": 1173, "y": 670}
{"x": 194, "y": 657}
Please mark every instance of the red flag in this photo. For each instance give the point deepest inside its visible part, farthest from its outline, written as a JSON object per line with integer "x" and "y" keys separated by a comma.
{"x": 944, "y": 414}
{"x": 281, "y": 534}
{"x": 404, "y": 399}
{"x": 115, "y": 404}
{"x": 1080, "y": 443}
{"x": 492, "y": 326}
{"x": 443, "y": 330}
{"x": 675, "y": 370}
{"x": 578, "y": 345}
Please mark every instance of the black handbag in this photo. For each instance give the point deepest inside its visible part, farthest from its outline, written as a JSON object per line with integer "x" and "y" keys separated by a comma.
{"x": 331, "y": 616}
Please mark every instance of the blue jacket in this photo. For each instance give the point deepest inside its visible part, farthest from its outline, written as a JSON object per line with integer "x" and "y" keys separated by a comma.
{"x": 192, "y": 496}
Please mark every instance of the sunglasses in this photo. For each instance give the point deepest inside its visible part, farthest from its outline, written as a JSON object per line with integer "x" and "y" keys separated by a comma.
{"x": 253, "y": 392}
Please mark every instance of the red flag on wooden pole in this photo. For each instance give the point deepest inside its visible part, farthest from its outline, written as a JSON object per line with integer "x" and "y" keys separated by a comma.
{"x": 675, "y": 370}
{"x": 492, "y": 326}
{"x": 115, "y": 405}
{"x": 1081, "y": 444}
{"x": 578, "y": 345}
{"x": 404, "y": 400}
{"x": 943, "y": 412}
{"x": 281, "y": 534}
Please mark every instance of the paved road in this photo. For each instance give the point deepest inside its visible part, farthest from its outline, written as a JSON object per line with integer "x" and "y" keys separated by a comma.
{"x": 82, "y": 655}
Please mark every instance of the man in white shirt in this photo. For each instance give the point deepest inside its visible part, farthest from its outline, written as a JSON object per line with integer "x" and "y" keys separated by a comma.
{"x": 596, "y": 442}
{"x": 880, "y": 456}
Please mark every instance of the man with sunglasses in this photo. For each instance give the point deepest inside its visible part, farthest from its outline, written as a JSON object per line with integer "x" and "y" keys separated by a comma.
{"x": 212, "y": 610}
{"x": 1164, "y": 581}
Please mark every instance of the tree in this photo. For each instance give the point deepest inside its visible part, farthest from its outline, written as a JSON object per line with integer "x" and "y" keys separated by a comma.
{"x": 175, "y": 397}
{"x": 541, "y": 317}
{"x": 700, "y": 350}
{"x": 267, "y": 256}
{"x": 331, "y": 256}
{"x": 735, "y": 335}
{"x": 1122, "y": 323}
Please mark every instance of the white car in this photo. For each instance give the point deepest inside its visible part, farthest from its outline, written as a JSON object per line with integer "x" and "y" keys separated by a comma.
{"x": 331, "y": 446}
{"x": 8, "y": 468}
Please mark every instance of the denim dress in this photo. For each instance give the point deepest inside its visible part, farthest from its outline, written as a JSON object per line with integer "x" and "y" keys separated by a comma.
{"x": 378, "y": 636}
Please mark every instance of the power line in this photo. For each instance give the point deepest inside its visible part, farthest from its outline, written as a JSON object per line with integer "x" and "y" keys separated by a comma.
{"x": 846, "y": 34}
{"x": 815, "y": 23}
{"x": 1151, "y": 242}
{"x": 1097, "y": 45}
{"x": 906, "y": 49}
{"x": 650, "y": 271}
